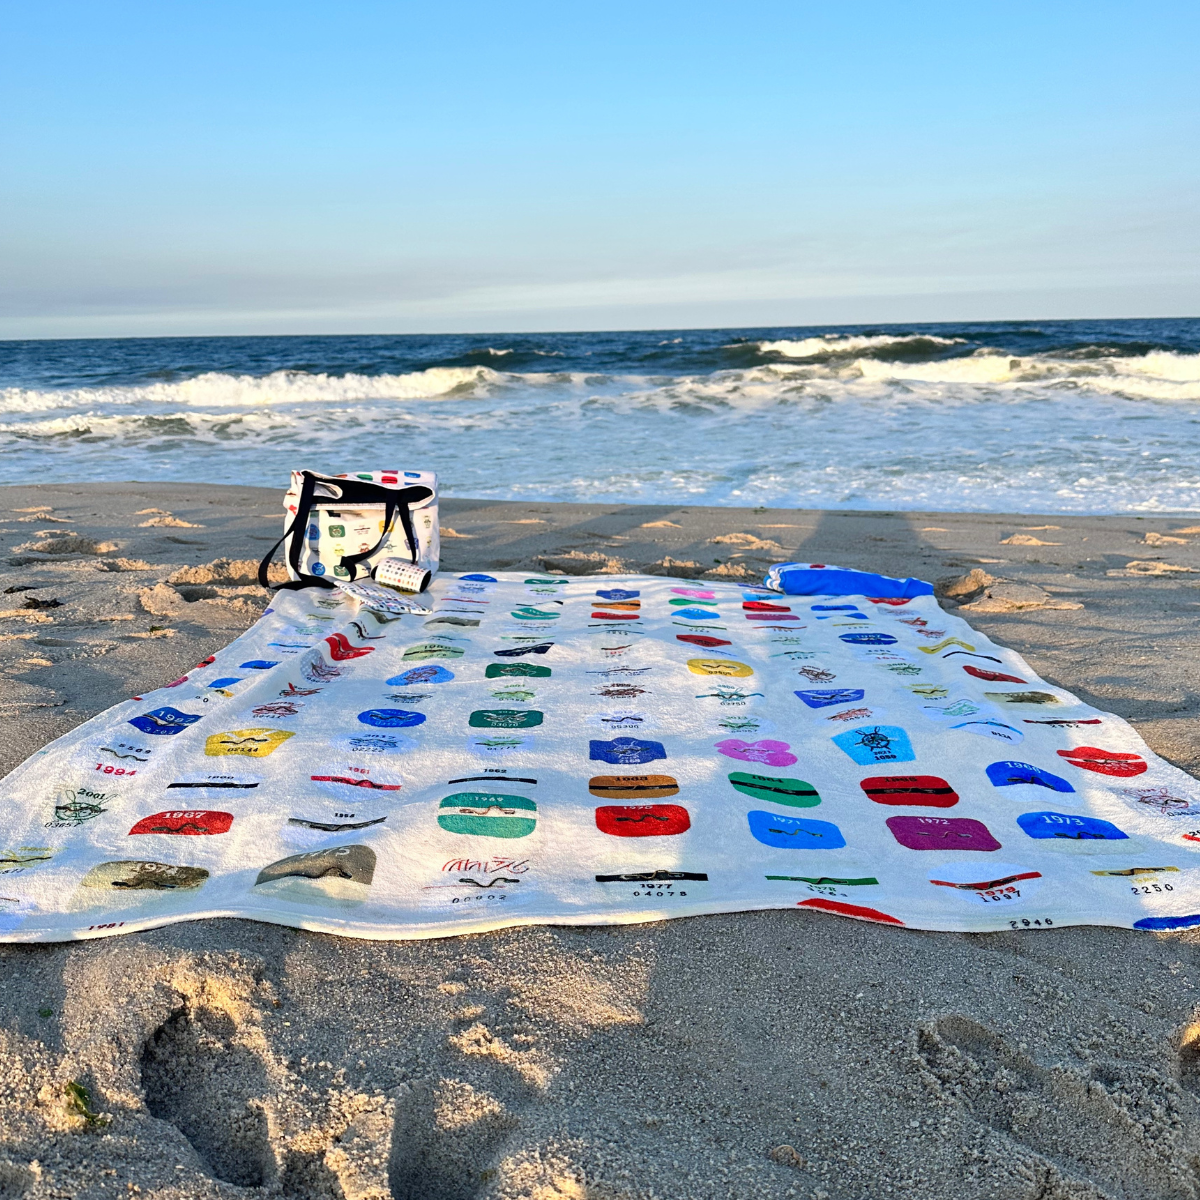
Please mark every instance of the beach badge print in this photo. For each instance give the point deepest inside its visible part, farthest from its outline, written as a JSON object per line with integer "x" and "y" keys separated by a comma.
{"x": 253, "y": 743}
{"x": 418, "y": 676}
{"x": 488, "y": 814}
{"x": 766, "y": 751}
{"x": 1006, "y": 774}
{"x": 504, "y": 718}
{"x": 942, "y": 833}
{"x": 625, "y": 751}
{"x": 337, "y": 876}
{"x": 186, "y": 822}
{"x": 642, "y": 820}
{"x": 131, "y": 883}
{"x": 719, "y": 666}
{"x": 1067, "y": 827}
{"x": 633, "y": 787}
{"x": 1001, "y": 884}
{"x": 526, "y": 670}
{"x": 924, "y": 791}
{"x": 1105, "y": 762}
{"x": 391, "y": 718}
{"x": 794, "y": 833}
{"x": 163, "y": 721}
{"x": 872, "y": 744}
{"x": 795, "y": 793}
{"x": 825, "y": 697}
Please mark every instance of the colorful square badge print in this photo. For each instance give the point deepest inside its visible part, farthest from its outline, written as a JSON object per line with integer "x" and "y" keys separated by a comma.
{"x": 578, "y": 751}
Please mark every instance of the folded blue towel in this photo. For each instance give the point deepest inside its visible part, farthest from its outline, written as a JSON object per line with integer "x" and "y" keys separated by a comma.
{"x": 818, "y": 579}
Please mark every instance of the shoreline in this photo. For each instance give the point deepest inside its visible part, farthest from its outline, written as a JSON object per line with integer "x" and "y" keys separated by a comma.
{"x": 769, "y": 1054}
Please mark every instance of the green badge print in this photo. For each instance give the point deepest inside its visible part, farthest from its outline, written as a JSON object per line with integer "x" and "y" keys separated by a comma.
{"x": 526, "y": 669}
{"x": 425, "y": 650}
{"x": 504, "y": 718}
{"x": 487, "y": 814}
{"x": 526, "y": 612}
{"x": 795, "y": 793}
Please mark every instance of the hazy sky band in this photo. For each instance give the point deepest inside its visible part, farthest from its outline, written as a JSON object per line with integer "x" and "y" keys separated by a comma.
{"x": 222, "y": 168}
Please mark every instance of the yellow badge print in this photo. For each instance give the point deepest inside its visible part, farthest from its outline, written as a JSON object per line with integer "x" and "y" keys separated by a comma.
{"x": 718, "y": 666}
{"x": 255, "y": 743}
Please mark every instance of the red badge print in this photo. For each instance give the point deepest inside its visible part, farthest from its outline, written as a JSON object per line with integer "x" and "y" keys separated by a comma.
{"x": 763, "y": 606}
{"x": 992, "y": 676}
{"x": 1105, "y": 762}
{"x": 187, "y": 821}
{"x": 928, "y": 791}
{"x": 616, "y": 616}
{"x": 642, "y": 820}
{"x": 702, "y": 639}
{"x": 851, "y": 910}
{"x": 340, "y": 648}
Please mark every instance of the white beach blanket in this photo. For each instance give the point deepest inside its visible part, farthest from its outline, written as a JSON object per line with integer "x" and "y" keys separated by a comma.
{"x": 599, "y": 750}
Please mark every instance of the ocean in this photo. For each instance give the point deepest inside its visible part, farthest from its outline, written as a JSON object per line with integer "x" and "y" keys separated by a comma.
{"x": 1023, "y": 416}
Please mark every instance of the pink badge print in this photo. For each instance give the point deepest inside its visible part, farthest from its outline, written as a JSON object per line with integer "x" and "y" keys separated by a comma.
{"x": 773, "y": 754}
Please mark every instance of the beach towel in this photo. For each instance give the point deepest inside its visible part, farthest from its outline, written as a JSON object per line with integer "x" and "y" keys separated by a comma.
{"x": 596, "y": 750}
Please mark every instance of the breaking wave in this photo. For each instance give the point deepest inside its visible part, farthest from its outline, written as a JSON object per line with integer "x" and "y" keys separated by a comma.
{"x": 1062, "y": 418}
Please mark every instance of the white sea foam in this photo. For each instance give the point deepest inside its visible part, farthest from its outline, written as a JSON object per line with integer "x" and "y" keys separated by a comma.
{"x": 828, "y": 425}
{"x": 843, "y": 345}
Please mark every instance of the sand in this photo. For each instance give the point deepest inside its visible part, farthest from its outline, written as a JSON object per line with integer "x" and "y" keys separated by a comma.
{"x": 772, "y": 1054}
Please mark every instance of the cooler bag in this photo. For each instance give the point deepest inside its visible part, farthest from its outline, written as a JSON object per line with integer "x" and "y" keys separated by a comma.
{"x": 341, "y": 526}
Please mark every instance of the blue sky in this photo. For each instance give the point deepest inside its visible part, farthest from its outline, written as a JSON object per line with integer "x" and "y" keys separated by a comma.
{"x": 193, "y": 168}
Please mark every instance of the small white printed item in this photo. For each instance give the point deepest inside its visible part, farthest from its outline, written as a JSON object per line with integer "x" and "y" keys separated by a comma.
{"x": 401, "y": 574}
{"x": 383, "y": 599}
{"x": 586, "y": 758}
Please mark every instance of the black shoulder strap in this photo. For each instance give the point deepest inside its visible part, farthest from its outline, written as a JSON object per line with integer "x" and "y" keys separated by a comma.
{"x": 299, "y": 523}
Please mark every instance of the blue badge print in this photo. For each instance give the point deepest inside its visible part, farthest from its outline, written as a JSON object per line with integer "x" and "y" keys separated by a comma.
{"x": 824, "y": 697}
{"x": 318, "y": 568}
{"x": 1070, "y": 828}
{"x": 617, "y": 594}
{"x": 163, "y": 721}
{"x": 1002, "y": 774}
{"x": 224, "y": 682}
{"x": 834, "y": 607}
{"x": 794, "y": 833}
{"x": 868, "y": 639}
{"x": 696, "y": 614}
{"x": 626, "y": 751}
{"x": 257, "y": 664}
{"x": 1163, "y": 923}
{"x": 391, "y": 718}
{"x": 419, "y": 675}
{"x": 870, "y": 744}
{"x": 479, "y": 578}
{"x": 993, "y": 729}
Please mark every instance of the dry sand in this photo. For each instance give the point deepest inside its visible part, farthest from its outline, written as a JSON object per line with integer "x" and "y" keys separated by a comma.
{"x": 772, "y": 1054}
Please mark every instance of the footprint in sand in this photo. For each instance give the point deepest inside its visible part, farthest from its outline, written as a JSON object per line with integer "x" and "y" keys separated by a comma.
{"x": 1086, "y": 1130}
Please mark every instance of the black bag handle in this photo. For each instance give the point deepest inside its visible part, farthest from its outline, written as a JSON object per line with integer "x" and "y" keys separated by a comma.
{"x": 299, "y": 521}
{"x": 395, "y": 501}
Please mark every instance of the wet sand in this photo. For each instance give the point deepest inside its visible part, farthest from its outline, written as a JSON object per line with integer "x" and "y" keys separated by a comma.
{"x": 771, "y": 1054}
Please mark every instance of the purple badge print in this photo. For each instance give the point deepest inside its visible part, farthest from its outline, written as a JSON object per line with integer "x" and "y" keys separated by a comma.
{"x": 773, "y": 754}
{"x": 942, "y": 833}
